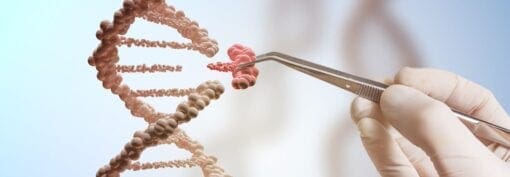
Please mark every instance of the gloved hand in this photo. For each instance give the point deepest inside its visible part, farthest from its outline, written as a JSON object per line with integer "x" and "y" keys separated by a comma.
{"x": 412, "y": 132}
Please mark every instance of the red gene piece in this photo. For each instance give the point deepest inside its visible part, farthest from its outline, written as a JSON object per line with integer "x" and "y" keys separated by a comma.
{"x": 245, "y": 77}
{"x": 239, "y": 54}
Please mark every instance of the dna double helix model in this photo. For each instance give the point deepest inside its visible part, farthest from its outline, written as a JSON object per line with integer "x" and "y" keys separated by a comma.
{"x": 163, "y": 127}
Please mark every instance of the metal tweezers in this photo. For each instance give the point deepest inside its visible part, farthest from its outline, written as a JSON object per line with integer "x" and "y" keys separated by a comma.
{"x": 372, "y": 90}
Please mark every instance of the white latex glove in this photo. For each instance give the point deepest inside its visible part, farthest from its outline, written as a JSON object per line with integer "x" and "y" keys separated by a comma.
{"x": 412, "y": 132}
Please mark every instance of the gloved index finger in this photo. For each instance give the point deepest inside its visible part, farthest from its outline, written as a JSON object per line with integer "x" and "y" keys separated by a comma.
{"x": 457, "y": 92}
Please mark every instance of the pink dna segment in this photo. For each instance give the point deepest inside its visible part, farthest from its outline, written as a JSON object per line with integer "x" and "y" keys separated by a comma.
{"x": 242, "y": 78}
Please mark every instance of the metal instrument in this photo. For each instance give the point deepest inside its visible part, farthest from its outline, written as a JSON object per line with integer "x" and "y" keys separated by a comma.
{"x": 372, "y": 90}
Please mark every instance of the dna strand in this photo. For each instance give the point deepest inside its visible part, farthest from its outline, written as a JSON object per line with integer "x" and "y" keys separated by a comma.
{"x": 163, "y": 127}
{"x": 355, "y": 36}
{"x": 366, "y": 13}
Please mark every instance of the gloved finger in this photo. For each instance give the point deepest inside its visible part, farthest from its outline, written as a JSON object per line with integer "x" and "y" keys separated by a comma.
{"x": 431, "y": 125}
{"x": 459, "y": 93}
{"x": 420, "y": 160}
{"x": 385, "y": 153}
{"x": 362, "y": 108}
{"x": 500, "y": 151}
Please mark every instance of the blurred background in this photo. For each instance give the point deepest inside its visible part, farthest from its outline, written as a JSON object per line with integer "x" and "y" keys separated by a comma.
{"x": 57, "y": 120}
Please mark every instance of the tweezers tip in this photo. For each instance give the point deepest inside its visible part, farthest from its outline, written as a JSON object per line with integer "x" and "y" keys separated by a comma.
{"x": 244, "y": 65}
{"x": 260, "y": 58}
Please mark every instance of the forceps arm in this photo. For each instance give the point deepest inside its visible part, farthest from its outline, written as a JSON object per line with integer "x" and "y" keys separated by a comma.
{"x": 372, "y": 90}
{"x": 365, "y": 88}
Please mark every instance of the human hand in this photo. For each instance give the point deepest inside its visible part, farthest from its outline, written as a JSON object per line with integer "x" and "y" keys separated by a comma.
{"x": 412, "y": 132}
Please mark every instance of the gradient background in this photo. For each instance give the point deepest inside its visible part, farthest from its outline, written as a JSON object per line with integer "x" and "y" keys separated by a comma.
{"x": 56, "y": 119}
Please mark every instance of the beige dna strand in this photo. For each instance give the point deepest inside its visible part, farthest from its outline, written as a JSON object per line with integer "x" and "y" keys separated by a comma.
{"x": 163, "y": 127}
{"x": 111, "y": 35}
{"x": 164, "y": 131}
{"x": 353, "y": 38}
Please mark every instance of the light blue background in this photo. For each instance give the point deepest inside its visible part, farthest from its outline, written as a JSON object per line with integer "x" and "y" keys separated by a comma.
{"x": 50, "y": 99}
